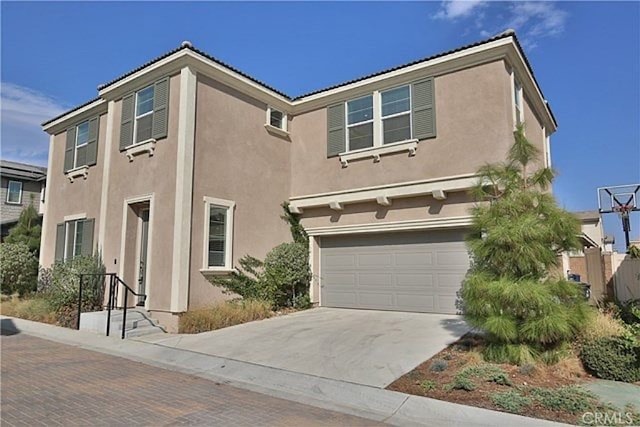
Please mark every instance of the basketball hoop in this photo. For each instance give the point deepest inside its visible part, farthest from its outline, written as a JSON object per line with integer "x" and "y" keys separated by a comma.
{"x": 620, "y": 199}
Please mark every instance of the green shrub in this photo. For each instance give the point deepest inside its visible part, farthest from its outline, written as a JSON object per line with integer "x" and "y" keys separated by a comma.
{"x": 511, "y": 401}
{"x": 463, "y": 380}
{"x": 287, "y": 273}
{"x": 439, "y": 365}
{"x": 222, "y": 315}
{"x": 612, "y": 358}
{"x": 65, "y": 280}
{"x": 462, "y": 383}
{"x": 572, "y": 399}
{"x": 428, "y": 385}
{"x": 282, "y": 279}
{"x": 18, "y": 269}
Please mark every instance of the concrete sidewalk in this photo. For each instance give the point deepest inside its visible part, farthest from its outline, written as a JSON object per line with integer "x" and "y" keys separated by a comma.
{"x": 355, "y": 399}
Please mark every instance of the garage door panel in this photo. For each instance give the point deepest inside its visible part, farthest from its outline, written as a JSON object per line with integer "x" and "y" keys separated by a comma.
{"x": 367, "y": 280}
{"x": 340, "y": 279}
{"x": 375, "y": 260}
{"x": 415, "y": 302}
{"x": 405, "y": 271}
{"x": 423, "y": 280}
{"x": 340, "y": 260}
{"x": 410, "y": 259}
{"x": 452, "y": 258}
{"x": 378, "y": 300}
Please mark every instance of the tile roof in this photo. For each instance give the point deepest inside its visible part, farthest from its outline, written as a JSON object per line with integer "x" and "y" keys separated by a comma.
{"x": 188, "y": 45}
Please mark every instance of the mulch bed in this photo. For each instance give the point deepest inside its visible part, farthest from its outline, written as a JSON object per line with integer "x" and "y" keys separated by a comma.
{"x": 459, "y": 355}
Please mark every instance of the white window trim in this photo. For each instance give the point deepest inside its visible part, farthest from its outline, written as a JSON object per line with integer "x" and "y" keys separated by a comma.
{"x": 378, "y": 128}
{"x": 410, "y": 145}
{"x": 136, "y": 117}
{"x": 228, "y": 242}
{"x": 285, "y": 119}
{"x": 19, "y": 202}
{"x": 76, "y": 146}
{"x": 518, "y": 110}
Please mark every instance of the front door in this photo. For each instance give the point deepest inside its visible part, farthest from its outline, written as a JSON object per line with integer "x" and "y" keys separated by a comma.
{"x": 142, "y": 267}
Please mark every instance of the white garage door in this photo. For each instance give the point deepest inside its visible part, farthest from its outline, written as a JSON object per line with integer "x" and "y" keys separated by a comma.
{"x": 404, "y": 271}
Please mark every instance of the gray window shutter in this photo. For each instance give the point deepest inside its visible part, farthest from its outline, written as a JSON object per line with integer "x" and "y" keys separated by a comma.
{"x": 336, "y": 143}
{"x": 87, "y": 236}
{"x": 126, "y": 121}
{"x": 160, "y": 109}
{"x": 423, "y": 109}
{"x": 60, "y": 242}
{"x": 69, "y": 147}
{"x": 92, "y": 143}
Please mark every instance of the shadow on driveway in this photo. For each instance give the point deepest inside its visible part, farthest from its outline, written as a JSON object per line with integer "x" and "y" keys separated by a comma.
{"x": 7, "y": 327}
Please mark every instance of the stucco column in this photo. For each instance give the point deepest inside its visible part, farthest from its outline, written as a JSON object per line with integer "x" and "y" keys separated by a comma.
{"x": 184, "y": 192}
{"x": 108, "y": 145}
{"x": 44, "y": 240}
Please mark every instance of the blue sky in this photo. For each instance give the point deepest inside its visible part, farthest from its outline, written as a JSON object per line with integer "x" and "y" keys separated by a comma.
{"x": 586, "y": 56}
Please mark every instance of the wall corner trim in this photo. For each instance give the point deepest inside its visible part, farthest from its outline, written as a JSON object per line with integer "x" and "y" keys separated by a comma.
{"x": 184, "y": 192}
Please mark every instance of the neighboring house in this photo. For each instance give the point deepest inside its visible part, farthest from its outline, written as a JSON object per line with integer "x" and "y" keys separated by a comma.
{"x": 20, "y": 185}
{"x": 178, "y": 169}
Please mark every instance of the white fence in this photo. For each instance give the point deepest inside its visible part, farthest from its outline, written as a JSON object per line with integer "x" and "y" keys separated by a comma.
{"x": 626, "y": 277}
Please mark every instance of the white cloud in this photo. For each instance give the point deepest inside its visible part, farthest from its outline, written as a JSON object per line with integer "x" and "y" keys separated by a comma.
{"x": 23, "y": 110}
{"x": 454, "y": 9}
{"x": 535, "y": 20}
{"x": 532, "y": 20}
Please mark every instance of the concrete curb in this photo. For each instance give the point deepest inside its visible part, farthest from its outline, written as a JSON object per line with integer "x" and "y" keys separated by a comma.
{"x": 355, "y": 399}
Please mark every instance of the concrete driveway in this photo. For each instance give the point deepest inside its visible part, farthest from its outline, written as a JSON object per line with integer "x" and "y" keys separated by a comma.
{"x": 361, "y": 346}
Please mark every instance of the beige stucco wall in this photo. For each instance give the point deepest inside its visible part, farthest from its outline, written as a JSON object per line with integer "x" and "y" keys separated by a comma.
{"x": 534, "y": 129}
{"x": 82, "y": 196}
{"x": 144, "y": 176}
{"x": 236, "y": 159}
{"x": 473, "y": 121}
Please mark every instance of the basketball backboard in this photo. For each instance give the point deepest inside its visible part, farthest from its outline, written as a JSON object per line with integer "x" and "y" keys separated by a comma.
{"x": 618, "y": 198}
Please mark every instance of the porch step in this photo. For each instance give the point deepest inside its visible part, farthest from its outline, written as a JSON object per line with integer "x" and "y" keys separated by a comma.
{"x": 138, "y": 323}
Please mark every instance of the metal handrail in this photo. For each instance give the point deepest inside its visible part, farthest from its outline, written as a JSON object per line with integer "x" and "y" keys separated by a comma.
{"x": 124, "y": 312}
{"x": 114, "y": 281}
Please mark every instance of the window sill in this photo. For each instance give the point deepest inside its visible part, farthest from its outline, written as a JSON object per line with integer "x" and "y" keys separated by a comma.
{"x": 277, "y": 131}
{"x": 82, "y": 171}
{"x": 410, "y": 145}
{"x": 13, "y": 203}
{"x": 221, "y": 271}
{"x": 147, "y": 146}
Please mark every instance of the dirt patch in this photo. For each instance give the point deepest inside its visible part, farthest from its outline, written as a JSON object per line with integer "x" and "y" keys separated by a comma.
{"x": 434, "y": 377}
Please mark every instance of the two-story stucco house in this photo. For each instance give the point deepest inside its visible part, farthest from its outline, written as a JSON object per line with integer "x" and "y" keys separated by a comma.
{"x": 21, "y": 185}
{"x": 178, "y": 169}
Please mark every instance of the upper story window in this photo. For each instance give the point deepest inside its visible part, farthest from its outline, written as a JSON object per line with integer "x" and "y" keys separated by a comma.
{"x": 218, "y": 234}
{"x": 81, "y": 148}
{"x": 82, "y": 139}
{"x": 383, "y": 122}
{"x": 144, "y": 118}
{"x": 277, "y": 119}
{"x": 360, "y": 123}
{"x": 144, "y": 114}
{"x": 396, "y": 114}
{"x": 517, "y": 102}
{"x": 14, "y": 193}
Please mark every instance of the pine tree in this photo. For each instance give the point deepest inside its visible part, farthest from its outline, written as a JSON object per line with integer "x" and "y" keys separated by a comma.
{"x": 27, "y": 230}
{"x": 518, "y": 231}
